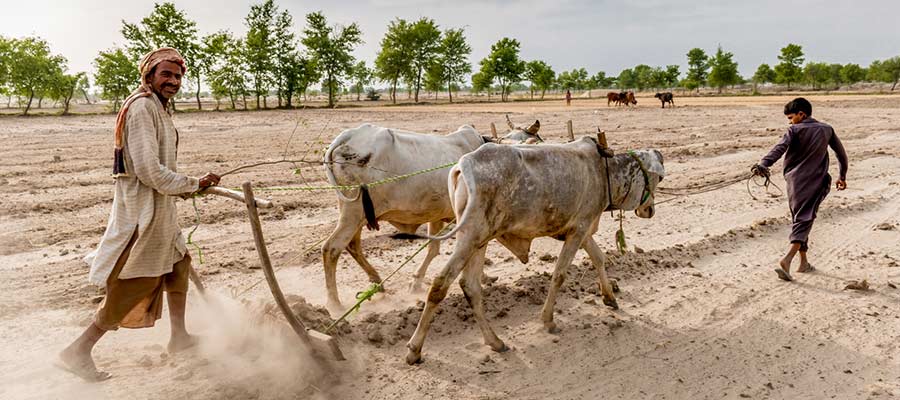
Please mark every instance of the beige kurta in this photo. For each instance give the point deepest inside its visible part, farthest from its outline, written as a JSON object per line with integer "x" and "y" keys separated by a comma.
{"x": 143, "y": 199}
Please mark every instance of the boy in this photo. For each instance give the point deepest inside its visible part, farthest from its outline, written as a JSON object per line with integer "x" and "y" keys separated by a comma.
{"x": 806, "y": 173}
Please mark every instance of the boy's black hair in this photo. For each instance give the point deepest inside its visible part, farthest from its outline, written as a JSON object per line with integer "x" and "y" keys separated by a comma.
{"x": 796, "y": 105}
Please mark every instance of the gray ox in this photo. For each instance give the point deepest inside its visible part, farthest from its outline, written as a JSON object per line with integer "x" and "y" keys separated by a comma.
{"x": 517, "y": 193}
{"x": 519, "y": 135}
{"x": 370, "y": 153}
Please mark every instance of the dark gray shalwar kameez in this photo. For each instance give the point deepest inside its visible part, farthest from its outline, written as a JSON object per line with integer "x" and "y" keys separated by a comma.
{"x": 805, "y": 150}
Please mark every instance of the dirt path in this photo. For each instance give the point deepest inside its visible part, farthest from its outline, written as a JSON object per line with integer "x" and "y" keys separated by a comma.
{"x": 702, "y": 314}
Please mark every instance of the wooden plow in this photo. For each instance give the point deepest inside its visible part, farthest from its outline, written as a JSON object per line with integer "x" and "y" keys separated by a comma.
{"x": 320, "y": 343}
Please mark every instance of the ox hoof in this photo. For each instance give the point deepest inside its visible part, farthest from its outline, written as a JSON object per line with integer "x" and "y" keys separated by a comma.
{"x": 611, "y": 303}
{"x": 615, "y": 285}
{"x": 500, "y": 348}
{"x": 551, "y": 327}
{"x": 335, "y": 308}
{"x": 413, "y": 358}
{"x": 416, "y": 287}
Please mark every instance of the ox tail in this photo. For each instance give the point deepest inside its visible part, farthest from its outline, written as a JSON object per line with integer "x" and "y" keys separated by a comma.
{"x": 368, "y": 208}
{"x": 452, "y": 185}
{"x": 330, "y": 175}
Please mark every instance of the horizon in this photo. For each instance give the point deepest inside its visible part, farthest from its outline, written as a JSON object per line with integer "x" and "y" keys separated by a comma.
{"x": 661, "y": 33}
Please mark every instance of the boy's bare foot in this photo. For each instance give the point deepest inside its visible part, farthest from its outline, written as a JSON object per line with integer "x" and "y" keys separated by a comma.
{"x": 80, "y": 364}
{"x": 181, "y": 343}
{"x": 806, "y": 268}
{"x": 783, "y": 272}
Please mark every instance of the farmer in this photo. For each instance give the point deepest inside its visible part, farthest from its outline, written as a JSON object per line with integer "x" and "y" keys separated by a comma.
{"x": 568, "y": 97}
{"x": 805, "y": 150}
{"x": 142, "y": 252}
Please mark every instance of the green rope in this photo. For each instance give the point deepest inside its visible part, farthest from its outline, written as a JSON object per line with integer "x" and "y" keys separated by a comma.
{"x": 377, "y": 287}
{"x": 190, "y": 240}
{"x": 350, "y": 187}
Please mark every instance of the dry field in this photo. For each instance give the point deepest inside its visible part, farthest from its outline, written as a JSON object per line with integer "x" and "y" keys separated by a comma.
{"x": 702, "y": 313}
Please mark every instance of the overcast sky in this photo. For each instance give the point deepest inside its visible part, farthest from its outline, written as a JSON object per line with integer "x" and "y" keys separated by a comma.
{"x": 600, "y": 35}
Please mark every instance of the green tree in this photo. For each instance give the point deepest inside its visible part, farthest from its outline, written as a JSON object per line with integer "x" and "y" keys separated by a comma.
{"x": 228, "y": 78}
{"x": 394, "y": 60}
{"x": 764, "y": 74}
{"x": 816, "y": 74}
{"x": 65, "y": 87}
{"x": 852, "y": 73}
{"x": 541, "y": 76}
{"x": 166, "y": 26}
{"x": 601, "y": 81}
{"x": 724, "y": 70}
{"x": 482, "y": 81}
{"x": 671, "y": 76}
{"x": 454, "y": 59}
{"x": 788, "y": 71}
{"x": 887, "y": 71}
{"x": 698, "y": 65}
{"x": 425, "y": 46}
{"x": 626, "y": 79}
{"x": 330, "y": 49}
{"x": 434, "y": 78}
{"x": 362, "y": 76}
{"x": 504, "y": 65}
{"x": 285, "y": 56}
{"x": 34, "y": 69}
{"x": 644, "y": 76}
{"x": 116, "y": 75}
{"x": 259, "y": 48}
{"x": 6, "y": 53}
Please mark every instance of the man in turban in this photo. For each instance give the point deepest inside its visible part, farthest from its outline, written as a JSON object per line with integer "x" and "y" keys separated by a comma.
{"x": 142, "y": 253}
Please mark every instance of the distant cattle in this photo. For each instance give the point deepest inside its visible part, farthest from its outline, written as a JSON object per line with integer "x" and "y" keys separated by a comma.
{"x": 665, "y": 97}
{"x": 612, "y": 97}
{"x": 626, "y": 98}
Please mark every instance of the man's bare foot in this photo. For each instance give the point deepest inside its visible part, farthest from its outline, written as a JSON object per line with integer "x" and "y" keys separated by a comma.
{"x": 182, "y": 342}
{"x": 81, "y": 364}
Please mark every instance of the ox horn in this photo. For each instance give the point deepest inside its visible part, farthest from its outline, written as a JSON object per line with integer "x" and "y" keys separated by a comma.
{"x": 508, "y": 122}
{"x": 534, "y": 128}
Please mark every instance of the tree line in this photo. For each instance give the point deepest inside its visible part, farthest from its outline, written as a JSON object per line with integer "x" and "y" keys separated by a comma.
{"x": 416, "y": 56}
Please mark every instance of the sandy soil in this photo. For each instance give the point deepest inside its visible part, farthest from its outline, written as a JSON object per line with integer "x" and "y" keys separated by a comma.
{"x": 702, "y": 314}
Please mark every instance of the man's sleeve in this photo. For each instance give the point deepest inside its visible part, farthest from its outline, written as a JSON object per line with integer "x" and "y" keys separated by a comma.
{"x": 777, "y": 151}
{"x": 840, "y": 153}
{"x": 143, "y": 148}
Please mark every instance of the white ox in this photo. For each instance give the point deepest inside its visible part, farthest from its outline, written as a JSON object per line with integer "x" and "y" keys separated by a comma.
{"x": 370, "y": 153}
{"x": 517, "y": 193}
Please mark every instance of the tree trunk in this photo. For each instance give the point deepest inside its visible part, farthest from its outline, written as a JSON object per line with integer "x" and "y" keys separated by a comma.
{"x": 28, "y": 106}
{"x": 199, "y": 106}
{"x": 895, "y": 84}
{"x": 86, "y": 99}
{"x": 265, "y": 103}
{"x": 450, "y": 90}
{"x": 40, "y": 102}
{"x": 257, "y": 100}
{"x": 542, "y": 93}
{"x": 231, "y": 96}
{"x": 418, "y": 83}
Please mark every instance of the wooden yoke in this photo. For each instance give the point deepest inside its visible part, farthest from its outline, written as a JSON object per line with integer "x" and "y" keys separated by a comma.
{"x": 603, "y": 145}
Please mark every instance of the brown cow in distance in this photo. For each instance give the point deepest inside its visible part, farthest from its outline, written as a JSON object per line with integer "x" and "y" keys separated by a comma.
{"x": 665, "y": 97}
{"x": 612, "y": 97}
{"x": 628, "y": 98}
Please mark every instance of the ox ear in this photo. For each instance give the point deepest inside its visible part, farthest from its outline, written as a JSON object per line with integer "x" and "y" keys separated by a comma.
{"x": 509, "y": 123}
{"x": 534, "y": 128}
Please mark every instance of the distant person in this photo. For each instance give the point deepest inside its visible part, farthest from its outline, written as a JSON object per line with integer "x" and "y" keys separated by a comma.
{"x": 805, "y": 149}
{"x": 142, "y": 252}
{"x": 568, "y": 97}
